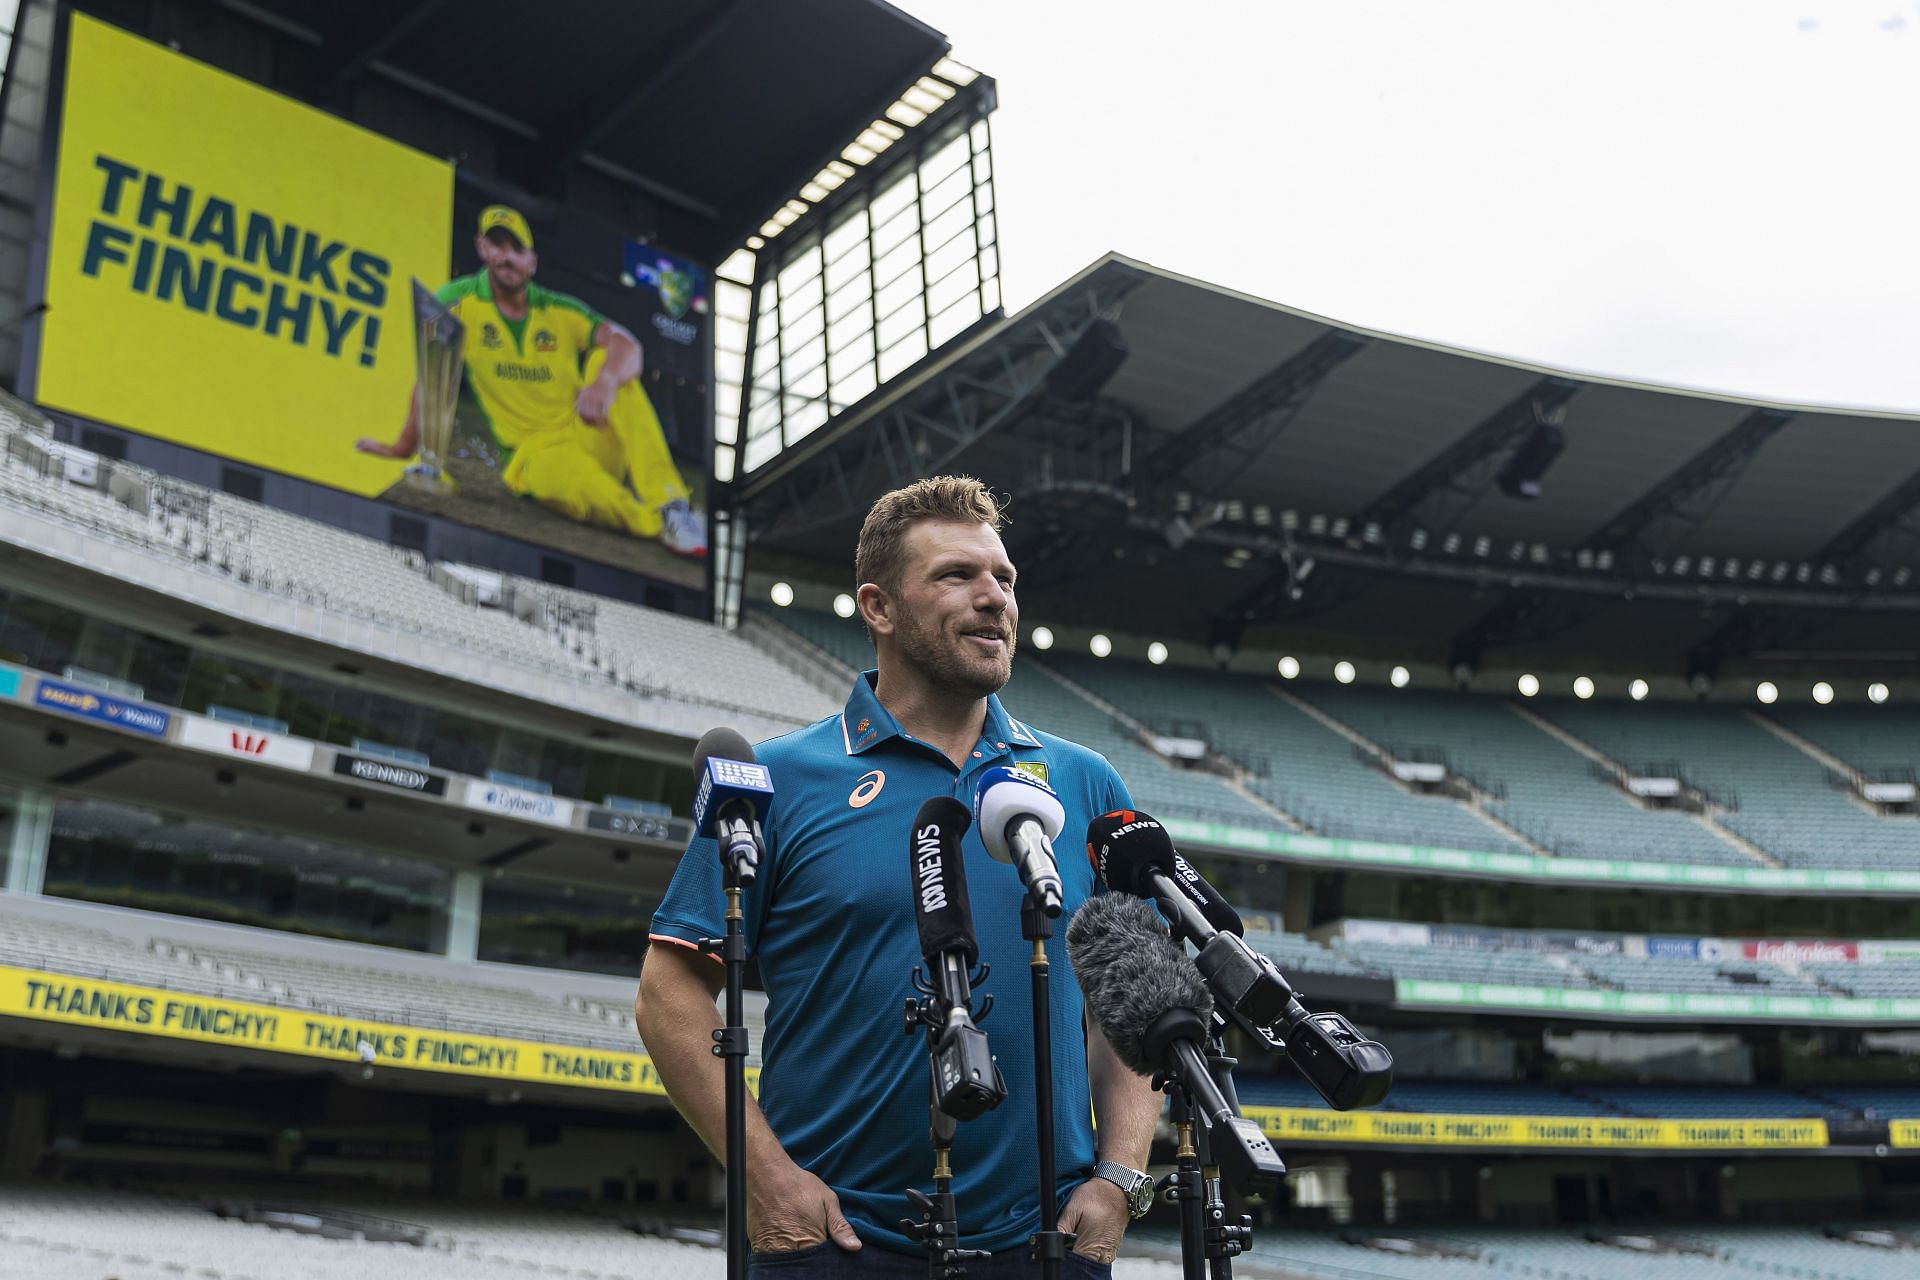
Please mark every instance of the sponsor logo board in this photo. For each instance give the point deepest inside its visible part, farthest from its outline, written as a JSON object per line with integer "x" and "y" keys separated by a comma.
{"x": 528, "y": 806}
{"x": 104, "y": 708}
{"x": 389, "y": 773}
{"x": 247, "y": 744}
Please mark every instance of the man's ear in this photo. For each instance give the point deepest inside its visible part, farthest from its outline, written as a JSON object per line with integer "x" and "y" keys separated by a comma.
{"x": 876, "y": 608}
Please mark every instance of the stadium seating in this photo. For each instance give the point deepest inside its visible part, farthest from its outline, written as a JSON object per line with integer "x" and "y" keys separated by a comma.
{"x": 51, "y": 1231}
{"x": 1542, "y": 787}
{"x": 1874, "y": 740}
{"x": 345, "y": 576}
{"x": 1296, "y": 763}
{"x": 1778, "y": 795}
{"x": 345, "y": 979}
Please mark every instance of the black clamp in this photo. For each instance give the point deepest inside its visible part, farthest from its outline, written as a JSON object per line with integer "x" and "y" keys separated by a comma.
{"x": 1050, "y": 1246}
{"x": 1226, "y": 1240}
{"x": 939, "y": 1234}
{"x": 729, "y": 1042}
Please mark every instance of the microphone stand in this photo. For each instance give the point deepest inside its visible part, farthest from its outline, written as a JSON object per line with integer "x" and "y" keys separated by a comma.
{"x": 939, "y": 1227}
{"x": 1049, "y": 1244}
{"x": 730, "y": 1042}
{"x": 1208, "y": 1242}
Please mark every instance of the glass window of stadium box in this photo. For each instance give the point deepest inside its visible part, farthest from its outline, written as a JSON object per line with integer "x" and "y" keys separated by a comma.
{"x": 531, "y": 920}
{"x": 897, "y": 258}
{"x": 50, "y": 637}
{"x": 132, "y": 856}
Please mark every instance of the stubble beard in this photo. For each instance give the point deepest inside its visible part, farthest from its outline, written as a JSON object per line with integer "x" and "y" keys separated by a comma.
{"x": 941, "y": 661}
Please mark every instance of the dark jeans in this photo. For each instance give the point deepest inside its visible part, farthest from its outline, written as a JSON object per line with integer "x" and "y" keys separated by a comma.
{"x": 830, "y": 1262}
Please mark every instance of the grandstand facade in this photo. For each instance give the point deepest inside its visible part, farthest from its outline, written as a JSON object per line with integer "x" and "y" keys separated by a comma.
{"x": 330, "y": 832}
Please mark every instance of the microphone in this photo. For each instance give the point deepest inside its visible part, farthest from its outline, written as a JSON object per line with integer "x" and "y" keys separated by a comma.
{"x": 1126, "y": 857}
{"x": 732, "y": 792}
{"x": 1153, "y": 1007}
{"x": 1018, "y": 816}
{"x": 966, "y": 1079}
{"x": 1132, "y": 853}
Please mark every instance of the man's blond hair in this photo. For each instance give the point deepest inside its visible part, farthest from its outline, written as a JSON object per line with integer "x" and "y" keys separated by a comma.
{"x": 881, "y": 554}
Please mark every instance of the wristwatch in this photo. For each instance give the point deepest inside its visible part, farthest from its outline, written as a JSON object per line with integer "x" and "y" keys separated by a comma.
{"x": 1137, "y": 1186}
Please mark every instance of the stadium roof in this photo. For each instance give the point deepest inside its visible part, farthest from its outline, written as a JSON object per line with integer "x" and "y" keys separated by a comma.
{"x": 717, "y": 107}
{"x": 1240, "y": 446}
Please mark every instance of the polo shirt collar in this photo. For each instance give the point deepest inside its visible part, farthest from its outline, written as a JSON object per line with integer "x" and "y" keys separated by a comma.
{"x": 865, "y": 724}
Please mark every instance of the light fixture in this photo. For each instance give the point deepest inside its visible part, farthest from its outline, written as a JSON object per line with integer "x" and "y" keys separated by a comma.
{"x": 1156, "y": 653}
{"x": 1637, "y": 690}
{"x": 1582, "y": 687}
{"x": 1042, "y": 638}
{"x": 1289, "y": 667}
{"x": 1823, "y": 693}
{"x": 843, "y": 605}
{"x": 1099, "y": 646}
{"x": 1767, "y": 692}
{"x": 1877, "y": 692}
{"x": 1399, "y": 677}
{"x": 781, "y": 594}
{"x": 1528, "y": 684}
{"x": 1343, "y": 671}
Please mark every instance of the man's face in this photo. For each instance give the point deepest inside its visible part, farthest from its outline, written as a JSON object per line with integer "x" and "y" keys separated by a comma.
{"x": 954, "y": 617}
{"x": 509, "y": 263}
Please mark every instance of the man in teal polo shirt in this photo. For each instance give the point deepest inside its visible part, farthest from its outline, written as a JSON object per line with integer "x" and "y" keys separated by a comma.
{"x": 840, "y": 1130}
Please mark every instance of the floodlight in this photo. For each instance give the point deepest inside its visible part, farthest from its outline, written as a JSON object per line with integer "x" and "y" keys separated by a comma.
{"x": 1343, "y": 671}
{"x": 1877, "y": 692}
{"x": 1289, "y": 667}
{"x": 1823, "y": 693}
{"x": 1042, "y": 638}
{"x": 1767, "y": 692}
{"x": 1582, "y": 687}
{"x": 843, "y": 605}
{"x": 781, "y": 594}
{"x": 1099, "y": 646}
{"x": 1638, "y": 690}
{"x": 1156, "y": 653}
{"x": 1528, "y": 684}
{"x": 1399, "y": 677}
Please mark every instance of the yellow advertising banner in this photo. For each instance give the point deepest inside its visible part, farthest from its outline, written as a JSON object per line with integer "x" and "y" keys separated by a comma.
{"x": 176, "y": 1015}
{"x": 1302, "y": 1124}
{"x": 229, "y": 269}
{"x": 1904, "y": 1133}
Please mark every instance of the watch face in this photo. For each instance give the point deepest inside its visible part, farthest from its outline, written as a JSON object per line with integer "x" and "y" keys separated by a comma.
{"x": 1140, "y": 1199}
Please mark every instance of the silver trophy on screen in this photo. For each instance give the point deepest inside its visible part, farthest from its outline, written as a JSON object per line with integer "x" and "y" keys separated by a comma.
{"x": 439, "y": 339}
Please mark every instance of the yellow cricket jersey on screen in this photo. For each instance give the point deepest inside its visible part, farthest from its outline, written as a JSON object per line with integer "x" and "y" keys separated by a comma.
{"x": 525, "y": 374}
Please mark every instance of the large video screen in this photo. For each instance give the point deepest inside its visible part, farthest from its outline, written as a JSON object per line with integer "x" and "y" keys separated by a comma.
{"x": 233, "y": 271}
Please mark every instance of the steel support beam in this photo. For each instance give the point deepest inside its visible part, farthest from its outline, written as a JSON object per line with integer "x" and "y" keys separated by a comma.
{"x": 1661, "y": 520}
{"x": 1889, "y": 519}
{"x": 1455, "y": 470}
{"x": 1249, "y": 419}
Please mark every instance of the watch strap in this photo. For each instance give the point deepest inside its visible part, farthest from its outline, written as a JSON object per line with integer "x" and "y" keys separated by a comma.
{"x": 1137, "y": 1186}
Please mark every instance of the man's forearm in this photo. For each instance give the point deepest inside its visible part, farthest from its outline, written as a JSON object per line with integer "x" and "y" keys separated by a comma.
{"x": 623, "y": 357}
{"x": 1126, "y": 1107}
{"x": 676, "y": 1021}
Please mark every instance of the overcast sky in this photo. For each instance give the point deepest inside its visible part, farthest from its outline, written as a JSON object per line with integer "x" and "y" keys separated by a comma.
{"x": 1710, "y": 193}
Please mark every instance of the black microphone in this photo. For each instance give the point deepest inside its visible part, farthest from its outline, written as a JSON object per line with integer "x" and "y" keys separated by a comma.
{"x": 1132, "y": 853}
{"x": 1130, "y": 866}
{"x": 731, "y": 794}
{"x": 966, "y": 1079}
{"x": 1153, "y": 1007}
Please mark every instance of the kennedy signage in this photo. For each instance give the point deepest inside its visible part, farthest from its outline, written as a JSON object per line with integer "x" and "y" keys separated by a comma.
{"x": 76, "y": 700}
{"x": 248, "y": 744}
{"x": 529, "y": 806}
{"x": 389, "y": 773}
